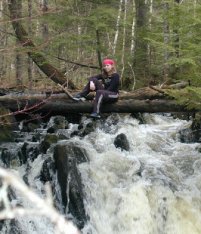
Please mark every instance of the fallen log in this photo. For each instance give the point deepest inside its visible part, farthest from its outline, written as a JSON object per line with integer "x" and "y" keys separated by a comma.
{"x": 61, "y": 104}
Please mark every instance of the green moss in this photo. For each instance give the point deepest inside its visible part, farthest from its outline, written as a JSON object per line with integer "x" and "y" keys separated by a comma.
{"x": 190, "y": 97}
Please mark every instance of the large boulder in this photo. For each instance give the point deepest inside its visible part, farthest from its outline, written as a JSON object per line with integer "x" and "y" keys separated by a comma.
{"x": 67, "y": 157}
{"x": 121, "y": 142}
{"x": 48, "y": 140}
{"x": 192, "y": 133}
{"x": 48, "y": 170}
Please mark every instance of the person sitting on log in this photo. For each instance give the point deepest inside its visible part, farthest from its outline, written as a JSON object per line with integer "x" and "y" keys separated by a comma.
{"x": 106, "y": 86}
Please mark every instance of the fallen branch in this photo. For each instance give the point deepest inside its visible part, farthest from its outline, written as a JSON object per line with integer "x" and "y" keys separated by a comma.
{"x": 43, "y": 207}
{"x": 27, "y": 108}
{"x": 65, "y": 91}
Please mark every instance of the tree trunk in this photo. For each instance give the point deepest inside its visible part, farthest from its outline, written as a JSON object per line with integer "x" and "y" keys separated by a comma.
{"x": 117, "y": 27}
{"x": 141, "y": 49}
{"x": 3, "y": 39}
{"x": 98, "y": 49}
{"x": 29, "y": 60}
{"x": 166, "y": 41}
{"x": 19, "y": 57}
{"x": 37, "y": 57}
{"x": 133, "y": 31}
{"x": 176, "y": 36}
{"x": 124, "y": 41}
{"x": 44, "y": 25}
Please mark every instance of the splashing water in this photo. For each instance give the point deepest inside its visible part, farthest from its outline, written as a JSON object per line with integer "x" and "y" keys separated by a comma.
{"x": 154, "y": 188}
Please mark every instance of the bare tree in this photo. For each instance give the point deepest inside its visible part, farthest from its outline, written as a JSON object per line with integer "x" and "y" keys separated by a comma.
{"x": 44, "y": 25}
{"x": 37, "y": 57}
{"x": 141, "y": 50}
{"x": 166, "y": 40}
{"x": 124, "y": 39}
{"x": 3, "y": 39}
{"x": 133, "y": 31}
{"x": 29, "y": 60}
{"x": 117, "y": 26}
{"x": 19, "y": 57}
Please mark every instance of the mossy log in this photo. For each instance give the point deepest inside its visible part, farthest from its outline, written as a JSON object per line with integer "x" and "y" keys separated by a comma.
{"x": 143, "y": 100}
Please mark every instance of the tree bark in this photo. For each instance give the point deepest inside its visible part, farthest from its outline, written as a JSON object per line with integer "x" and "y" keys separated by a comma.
{"x": 19, "y": 57}
{"x": 166, "y": 40}
{"x": 176, "y": 37}
{"x": 60, "y": 104}
{"x": 37, "y": 57}
{"x": 29, "y": 60}
{"x": 3, "y": 40}
{"x": 117, "y": 27}
{"x": 141, "y": 49}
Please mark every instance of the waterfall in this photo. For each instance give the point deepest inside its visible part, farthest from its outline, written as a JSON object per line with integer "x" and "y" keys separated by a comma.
{"x": 154, "y": 188}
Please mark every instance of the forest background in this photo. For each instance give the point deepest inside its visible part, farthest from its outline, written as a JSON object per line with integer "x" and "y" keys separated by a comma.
{"x": 152, "y": 41}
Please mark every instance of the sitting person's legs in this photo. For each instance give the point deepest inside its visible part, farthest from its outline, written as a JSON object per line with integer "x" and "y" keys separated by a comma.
{"x": 86, "y": 90}
{"x": 103, "y": 96}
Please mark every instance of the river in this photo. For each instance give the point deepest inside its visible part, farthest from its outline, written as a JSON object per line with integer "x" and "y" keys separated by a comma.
{"x": 154, "y": 188}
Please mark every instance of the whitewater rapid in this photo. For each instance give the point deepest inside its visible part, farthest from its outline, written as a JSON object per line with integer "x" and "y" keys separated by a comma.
{"x": 154, "y": 188}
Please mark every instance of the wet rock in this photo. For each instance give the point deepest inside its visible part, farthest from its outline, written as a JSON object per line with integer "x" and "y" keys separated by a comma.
{"x": 9, "y": 157}
{"x": 33, "y": 152}
{"x": 67, "y": 157}
{"x": 47, "y": 142}
{"x": 2, "y": 223}
{"x": 48, "y": 170}
{"x": 8, "y": 124}
{"x": 33, "y": 126}
{"x": 6, "y": 156}
{"x": 76, "y": 204}
{"x": 75, "y": 133}
{"x": 28, "y": 151}
{"x": 90, "y": 127}
{"x": 196, "y": 126}
{"x": 138, "y": 116}
{"x": 36, "y": 137}
{"x": 22, "y": 154}
{"x": 57, "y": 122}
{"x": 121, "y": 141}
{"x": 84, "y": 130}
{"x": 187, "y": 136}
{"x": 193, "y": 133}
{"x": 14, "y": 227}
{"x": 5, "y": 134}
{"x": 30, "y": 125}
{"x": 62, "y": 136}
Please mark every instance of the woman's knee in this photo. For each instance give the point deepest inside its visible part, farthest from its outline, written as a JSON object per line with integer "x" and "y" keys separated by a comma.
{"x": 93, "y": 79}
{"x": 99, "y": 92}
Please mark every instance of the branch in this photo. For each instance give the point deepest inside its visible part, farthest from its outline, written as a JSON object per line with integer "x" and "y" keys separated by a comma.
{"x": 43, "y": 207}
{"x": 79, "y": 64}
{"x": 156, "y": 89}
{"x": 27, "y": 109}
{"x": 35, "y": 54}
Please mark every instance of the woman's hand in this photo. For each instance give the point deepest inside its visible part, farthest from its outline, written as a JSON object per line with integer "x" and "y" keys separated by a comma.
{"x": 92, "y": 86}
